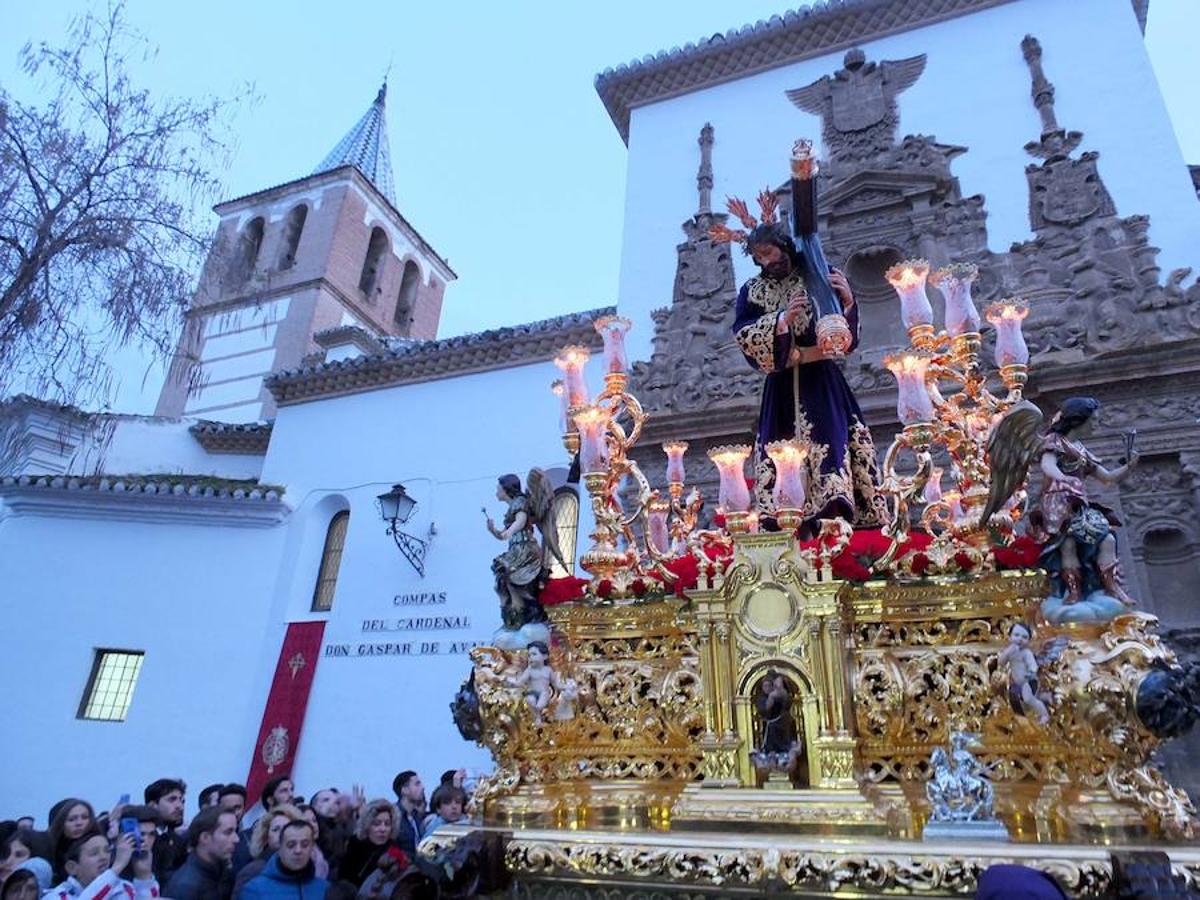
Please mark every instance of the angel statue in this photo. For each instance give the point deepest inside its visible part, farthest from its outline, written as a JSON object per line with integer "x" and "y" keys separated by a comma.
{"x": 1079, "y": 541}
{"x": 521, "y": 570}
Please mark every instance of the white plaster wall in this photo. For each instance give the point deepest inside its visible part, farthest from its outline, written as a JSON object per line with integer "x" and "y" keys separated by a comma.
{"x": 165, "y": 446}
{"x": 447, "y": 441}
{"x": 194, "y": 598}
{"x": 974, "y": 92}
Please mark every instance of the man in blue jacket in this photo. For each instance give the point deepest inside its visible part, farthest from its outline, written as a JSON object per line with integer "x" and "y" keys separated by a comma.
{"x": 289, "y": 873}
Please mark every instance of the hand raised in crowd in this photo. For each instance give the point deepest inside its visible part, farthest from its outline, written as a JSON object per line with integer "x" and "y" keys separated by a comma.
{"x": 841, "y": 286}
{"x": 123, "y": 853}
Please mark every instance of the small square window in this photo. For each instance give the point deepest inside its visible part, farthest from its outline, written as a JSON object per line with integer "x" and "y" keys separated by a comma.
{"x": 110, "y": 687}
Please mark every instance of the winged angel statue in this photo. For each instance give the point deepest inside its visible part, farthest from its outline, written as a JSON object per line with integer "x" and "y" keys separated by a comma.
{"x": 521, "y": 569}
{"x": 1078, "y": 534}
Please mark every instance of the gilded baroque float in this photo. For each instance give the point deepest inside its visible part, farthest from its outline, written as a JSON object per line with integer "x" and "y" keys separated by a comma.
{"x": 754, "y": 706}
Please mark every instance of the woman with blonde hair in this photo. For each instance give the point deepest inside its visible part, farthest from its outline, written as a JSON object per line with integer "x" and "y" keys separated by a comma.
{"x": 264, "y": 840}
{"x": 375, "y": 833}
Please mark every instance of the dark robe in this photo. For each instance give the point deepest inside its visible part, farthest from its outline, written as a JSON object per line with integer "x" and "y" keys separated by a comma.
{"x": 810, "y": 401}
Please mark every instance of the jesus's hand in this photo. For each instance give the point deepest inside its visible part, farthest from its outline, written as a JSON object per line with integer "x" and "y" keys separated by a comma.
{"x": 837, "y": 279}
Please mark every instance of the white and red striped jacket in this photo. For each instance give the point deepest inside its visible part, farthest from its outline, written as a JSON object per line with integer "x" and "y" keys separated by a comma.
{"x": 108, "y": 885}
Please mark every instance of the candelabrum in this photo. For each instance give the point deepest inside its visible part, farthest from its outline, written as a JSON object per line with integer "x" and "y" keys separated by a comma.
{"x": 945, "y": 403}
{"x": 602, "y": 431}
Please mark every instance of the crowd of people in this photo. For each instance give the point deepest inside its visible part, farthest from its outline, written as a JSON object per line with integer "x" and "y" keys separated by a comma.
{"x": 334, "y": 844}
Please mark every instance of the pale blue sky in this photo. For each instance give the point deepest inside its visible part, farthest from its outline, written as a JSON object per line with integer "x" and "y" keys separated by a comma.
{"x": 505, "y": 159}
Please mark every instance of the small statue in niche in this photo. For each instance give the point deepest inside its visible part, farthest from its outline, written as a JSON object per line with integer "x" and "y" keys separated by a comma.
{"x": 1023, "y": 674}
{"x": 958, "y": 789}
{"x": 521, "y": 570}
{"x": 1078, "y": 534}
{"x": 778, "y": 748}
{"x": 536, "y": 679}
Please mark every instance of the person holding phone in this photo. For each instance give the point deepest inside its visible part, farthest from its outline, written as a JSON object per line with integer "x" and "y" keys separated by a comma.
{"x": 94, "y": 865}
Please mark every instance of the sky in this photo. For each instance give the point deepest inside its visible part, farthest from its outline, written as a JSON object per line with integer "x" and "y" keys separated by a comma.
{"x": 505, "y": 159}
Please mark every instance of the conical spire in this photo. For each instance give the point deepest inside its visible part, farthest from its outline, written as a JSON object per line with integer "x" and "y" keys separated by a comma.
{"x": 365, "y": 146}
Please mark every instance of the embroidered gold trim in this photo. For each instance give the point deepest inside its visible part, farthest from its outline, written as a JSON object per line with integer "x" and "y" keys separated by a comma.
{"x": 757, "y": 341}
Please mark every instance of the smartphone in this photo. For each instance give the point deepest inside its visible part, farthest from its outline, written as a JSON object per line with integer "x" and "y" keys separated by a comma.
{"x": 124, "y": 800}
{"x": 131, "y": 827}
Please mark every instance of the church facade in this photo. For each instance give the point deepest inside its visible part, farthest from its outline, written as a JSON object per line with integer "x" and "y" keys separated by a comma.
{"x": 219, "y": 592}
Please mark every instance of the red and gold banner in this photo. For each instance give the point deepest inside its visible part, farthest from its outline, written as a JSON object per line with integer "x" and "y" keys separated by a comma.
{"x": 279, "y": 736}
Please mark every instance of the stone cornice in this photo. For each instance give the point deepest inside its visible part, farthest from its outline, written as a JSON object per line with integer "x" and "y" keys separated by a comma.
{"x": 193, "y": 500}
{"x": 222, "y": 437}
{"x": 501, "y": 348}
{"x": 779, "y": 41}
{"x": 342, "y": 335}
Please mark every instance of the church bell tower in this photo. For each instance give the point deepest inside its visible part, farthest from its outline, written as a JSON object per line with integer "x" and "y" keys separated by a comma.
{"x": 327, "y": 251}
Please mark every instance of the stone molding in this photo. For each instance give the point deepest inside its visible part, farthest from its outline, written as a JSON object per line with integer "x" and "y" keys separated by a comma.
{"x": 779, "y": 41}
{"x": 222, "y": 437}
{"x": 353, "y": 335}
{"x": 413, "y": 362}
{"x": 194, "y": 500}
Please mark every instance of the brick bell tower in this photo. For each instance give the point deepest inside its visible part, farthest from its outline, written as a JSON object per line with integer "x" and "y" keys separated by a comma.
{"x": 289, "y": 262}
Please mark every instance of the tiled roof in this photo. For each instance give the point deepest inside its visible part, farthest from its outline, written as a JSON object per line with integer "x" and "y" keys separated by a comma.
{"x": 824, "y": 27}
{"x": 195, "y": 486}
{"x": 227, "y": 437}
{"x": 365, "y": 146}
{"x": 416, "y": 361}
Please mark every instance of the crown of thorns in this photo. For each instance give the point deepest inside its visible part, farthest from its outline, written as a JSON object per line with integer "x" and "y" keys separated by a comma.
{"x": 768, "y": 205}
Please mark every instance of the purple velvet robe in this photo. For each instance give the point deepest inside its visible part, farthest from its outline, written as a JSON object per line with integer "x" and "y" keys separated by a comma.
{"x": 843, "y": 471}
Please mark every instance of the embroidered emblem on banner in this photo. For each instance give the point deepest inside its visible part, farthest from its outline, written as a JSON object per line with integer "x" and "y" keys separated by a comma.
{"x": 275, "y": 748}
{"x": 296, "y": 663}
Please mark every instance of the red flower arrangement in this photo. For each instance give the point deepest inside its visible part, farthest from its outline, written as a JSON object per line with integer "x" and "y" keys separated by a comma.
{"x": 562, "y": 590}
{"x": 1022, "y": 553}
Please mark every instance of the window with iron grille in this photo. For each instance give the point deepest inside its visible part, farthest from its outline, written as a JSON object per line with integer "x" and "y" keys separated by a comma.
{"x": 331, "y": 561}
{"x": 566, "y": 518}
{"x": 110, "y": 686}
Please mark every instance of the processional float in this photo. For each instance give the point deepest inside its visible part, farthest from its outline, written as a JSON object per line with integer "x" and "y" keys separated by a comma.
{"x": 776, "y": 703}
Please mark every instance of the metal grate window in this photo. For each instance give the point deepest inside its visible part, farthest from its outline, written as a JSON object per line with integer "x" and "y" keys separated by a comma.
{"x": 110, "y": 687}
{"x": 331, "y": 561}
{"x": 566, "y": 517}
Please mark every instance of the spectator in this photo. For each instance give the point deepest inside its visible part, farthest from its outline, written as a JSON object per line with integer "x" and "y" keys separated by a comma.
{"x": 92, "y": 871}
{"x": 232, "y": 798}
{"x": 336, "y": 815}
{"x": 320, "y": 864}
{"x": 14, "y": 851}
{"x": 289, "y": 873}
{"x": 212, "y": 837}
{"x": 21, "y": 885}
{"x": 447, "y": 805}
{"x": 25, "y": 823}
{"x": 148, "y": 823}
{"x": 210, "y": 795}
{"x": 454, "y": 777}
{"x": 72, "y": 819}
{"x": 411, "y": 796}
{"x": 41, "y": 871}
{"x": 166, "y": 795}
{"x": 277, "y": 790}
{"x": 376, "y": 833}
{"x": 264, "y": 841}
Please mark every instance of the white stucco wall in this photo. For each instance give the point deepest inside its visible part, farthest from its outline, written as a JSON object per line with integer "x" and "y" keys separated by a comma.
{"x": 191, "y": 597}
{"x": 975, "y": 92}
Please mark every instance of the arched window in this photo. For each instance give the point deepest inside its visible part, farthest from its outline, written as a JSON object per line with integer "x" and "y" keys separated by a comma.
{"x": 245, "y": 252}
{"x": 1171, "y": 569}
{"x": 368, "y": 282}
{"x": 331, "y": 561}
{"x": 409, "y": 283}
{"x": 293, "y": 227}
{"x": 566, "y": 517}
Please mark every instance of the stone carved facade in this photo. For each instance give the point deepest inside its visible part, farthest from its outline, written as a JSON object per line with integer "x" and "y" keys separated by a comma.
{"x": 1098, "y": 298}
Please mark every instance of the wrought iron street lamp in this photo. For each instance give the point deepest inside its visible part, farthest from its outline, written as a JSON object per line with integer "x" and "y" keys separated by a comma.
{"x": 395, "y": 508}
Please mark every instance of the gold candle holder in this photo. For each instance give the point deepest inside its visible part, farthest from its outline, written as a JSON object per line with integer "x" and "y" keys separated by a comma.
{"x": 738, "y": 522}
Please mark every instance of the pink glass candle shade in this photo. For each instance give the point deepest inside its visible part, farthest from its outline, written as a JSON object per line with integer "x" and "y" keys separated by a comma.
{"x": 789, "y": 458}
{"x": 908, "y": 279}
{"x": 592, "y": 422}
{"x": 659, "y": 533}
{"x": 1006, "y": 316}
{"x": 731, "y": 462}
{"x": 612, "y": 329}
{"x": 675, "y": 451}
{"x": 559, "y": 389}
{"x": 571, "y": 361}
{"x": 955, "y": 284}
{"x": 933, "y": 487}
{"x": 913, "y": 404}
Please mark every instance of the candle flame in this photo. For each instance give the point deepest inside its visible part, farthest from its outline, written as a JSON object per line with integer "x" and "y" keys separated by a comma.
{"x": 729, "y": 455}
{"x": 675, "y": 449}
{"x": 907, "y": 364}
{"x": 574, "y": 357}
{"x": 557, "y": 388}
{"x": 591, "y": 416}
{"x": 908, "y": 274}
{"x": 1007, "y": 311}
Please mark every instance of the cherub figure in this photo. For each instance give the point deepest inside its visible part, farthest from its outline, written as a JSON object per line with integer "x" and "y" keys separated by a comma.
{"x": 521, "y": 570}
{"x": 1079, "y": 541}
{"x": 1022, "y": 673}
{"x": 536, "y": 679}
{"x": 568, "y": 696}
